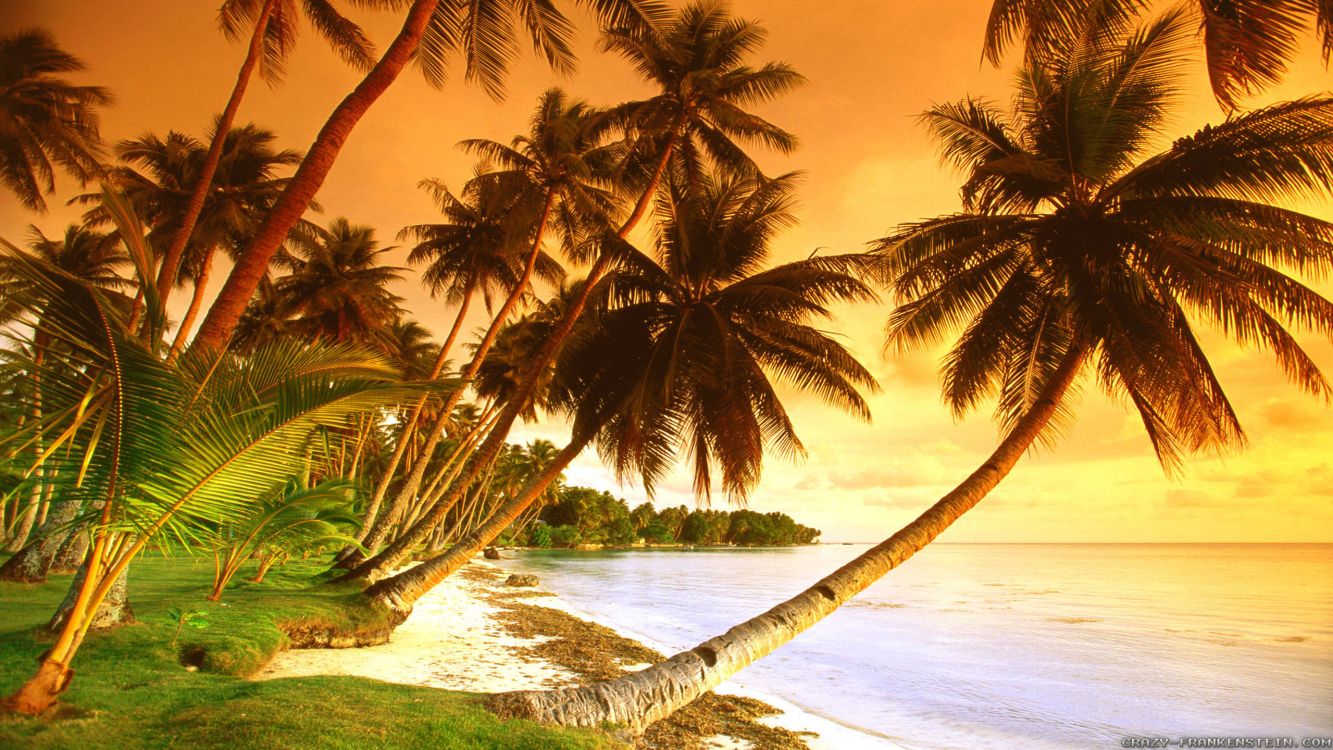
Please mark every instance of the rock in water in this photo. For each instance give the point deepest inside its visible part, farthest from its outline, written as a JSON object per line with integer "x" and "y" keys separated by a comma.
{"x": 491, "y": 553}
{"x": 521, "y": 579}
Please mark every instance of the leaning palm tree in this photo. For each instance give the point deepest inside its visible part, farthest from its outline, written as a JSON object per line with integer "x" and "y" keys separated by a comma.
{"x": 96, "y": 259}
{"x": 1247, "y": 44}
{"x": 482, "y": 32}
{"x": 684, "y": 355}
{"x": 703, "y": 42}
{"x": 1079, "y": 250}
{"x": 272, "y": 26}
{"x": 49, "y": 123}
{"x": 148, "y": 447}
{"x": 560, "y": 170}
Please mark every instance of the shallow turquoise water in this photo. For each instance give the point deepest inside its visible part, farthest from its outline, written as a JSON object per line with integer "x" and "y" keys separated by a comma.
{"x": 1050, "y": 646}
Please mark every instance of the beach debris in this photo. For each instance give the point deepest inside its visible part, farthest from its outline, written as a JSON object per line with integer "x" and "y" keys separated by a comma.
{"x": 521, "y": 579}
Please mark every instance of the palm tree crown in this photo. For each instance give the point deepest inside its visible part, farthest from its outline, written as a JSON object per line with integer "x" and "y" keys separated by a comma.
{"x": 685, "y": 353}
{"x": 1075, "y": 239}
{"x": 45, "y": 121}
{"x": 697, "y": 60}
{"x": 1247, "y": 44}
{"x": 337, "y": 290}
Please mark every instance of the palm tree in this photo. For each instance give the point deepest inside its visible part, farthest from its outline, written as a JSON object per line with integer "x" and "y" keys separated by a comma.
{"x": 47, "y": 122}
{"x": 158, "y": 177}
{"x": 272, "y": 26}
{"x": 411, "y": 347}
{"x": 1247, "y": 44}
{"x": 266, "y": 319}
{"x": 703, "y": 41}
{"x": 1079, "y": 249}
{"x": 697, "y": 61}
{"x": 95, "y": 259}
{"x": 683, "y": 355}
{"x": 479, "y": 249}
{"x": 337, "y": 291}
{"x": 150, "y": 447}
{"x": 559, "y": 165}
{"x": 483, "y": 33}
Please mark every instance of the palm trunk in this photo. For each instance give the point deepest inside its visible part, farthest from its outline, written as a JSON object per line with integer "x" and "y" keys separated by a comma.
{"x": 32, "y": 562}
{"x": 400, "y": 592}
{"x": 397, "y": 552}
{"x": 383, "y": 525}
{"x": 638, "y": 699}
{"x": 196, "y": 302}
{"x": 382, "y": 487}
{"x": 250, "y": 268}
{"x": 71, "y": 553}
{"x": 166, "y": 276}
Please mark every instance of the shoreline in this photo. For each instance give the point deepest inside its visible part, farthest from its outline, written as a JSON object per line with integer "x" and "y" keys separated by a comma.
{"x": 473, "y": 633}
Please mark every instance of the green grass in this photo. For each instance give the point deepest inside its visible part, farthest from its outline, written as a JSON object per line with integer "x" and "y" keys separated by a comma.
{"x": 130, "y": 689}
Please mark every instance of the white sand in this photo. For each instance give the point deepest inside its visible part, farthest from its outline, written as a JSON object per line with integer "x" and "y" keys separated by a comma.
{"x": 452, "y": 641}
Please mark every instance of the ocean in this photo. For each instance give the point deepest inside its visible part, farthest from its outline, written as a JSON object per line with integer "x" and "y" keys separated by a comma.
{"x": 1006, "y": 645}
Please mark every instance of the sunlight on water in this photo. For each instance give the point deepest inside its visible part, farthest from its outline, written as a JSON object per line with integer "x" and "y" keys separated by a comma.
{"x": 1054, "y": 646}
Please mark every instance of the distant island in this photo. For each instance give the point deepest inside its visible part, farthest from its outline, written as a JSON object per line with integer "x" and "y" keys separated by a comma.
{"x": 585, "y": 517}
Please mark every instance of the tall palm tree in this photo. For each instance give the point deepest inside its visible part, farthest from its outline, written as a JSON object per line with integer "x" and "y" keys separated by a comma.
{"x": 705, "y": 41}
{"x": 45, "y": 121}
{"x": 479, "y": 249}
{"x": 1079, "y": 250}
{"x": 1246, "y": 44}
{"x": 560, "y": 166}
{"x": 272, "y": 26}
{"x": 337, "y": 290}
{"x": 684, "y": 355}
{"x": 482, "y": 33}
{"x": 158, "y": 177}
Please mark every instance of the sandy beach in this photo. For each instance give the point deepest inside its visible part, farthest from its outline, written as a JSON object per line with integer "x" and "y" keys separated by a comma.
{"x": 473, "y": 633}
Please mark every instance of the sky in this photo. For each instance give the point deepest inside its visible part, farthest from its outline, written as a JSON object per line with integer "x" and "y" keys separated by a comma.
{"x": 873, "y": 66}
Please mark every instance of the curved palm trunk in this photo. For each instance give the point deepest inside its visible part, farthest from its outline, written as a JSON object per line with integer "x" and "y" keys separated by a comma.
{"x": 196, "y": 302}
{"x": 382, "y": 487}
{"x": 639, "y": 699}
{"x": 250, "y": 268}
{"x": 166, "y": 276}
{"x": 400, "y": 592}
{"x": 380, "y": 531}
{"x": 396, "y": 553}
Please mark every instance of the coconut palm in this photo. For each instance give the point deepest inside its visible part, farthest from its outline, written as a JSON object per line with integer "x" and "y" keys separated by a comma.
{"x": 158, "y": 175}
{"x": 337, "y": 290}
{"x": 698, "y": 62}
{"x": 412, "y": 349}
{"x": 272, "y": 27}
{"x": 45, "y": 121}
{"x": 1246, "y": 44}
{"x": 560, "y": 166}
{"x": 704, "y": 41}
{"x": 147, "y": 447}
{"x": 1079, "y": 249}
{"x": 684, "y": 355}
{"x": 96, "y": 259}
{"x": 482, "y": 33}
{"x": 480, "y": 249}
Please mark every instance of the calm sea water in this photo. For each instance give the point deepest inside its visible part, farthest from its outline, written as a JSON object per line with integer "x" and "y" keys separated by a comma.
{"x": 1050, "y": 646}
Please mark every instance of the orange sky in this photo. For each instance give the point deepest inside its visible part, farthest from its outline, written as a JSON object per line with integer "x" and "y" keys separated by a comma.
{"x": 873, "y": 65}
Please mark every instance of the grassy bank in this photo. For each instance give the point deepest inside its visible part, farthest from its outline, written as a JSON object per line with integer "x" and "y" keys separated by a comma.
{"x": 133, "y": 689}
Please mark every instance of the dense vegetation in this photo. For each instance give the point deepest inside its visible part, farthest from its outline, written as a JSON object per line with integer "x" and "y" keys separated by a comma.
{"x": 310, "y": 409}
{"x": 580, "y": 515}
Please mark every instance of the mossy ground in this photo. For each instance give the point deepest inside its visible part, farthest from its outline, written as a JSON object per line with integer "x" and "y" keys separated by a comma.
{"x": 131, "y": 689}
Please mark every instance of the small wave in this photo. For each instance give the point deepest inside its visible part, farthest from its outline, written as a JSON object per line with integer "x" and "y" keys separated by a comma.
{"x": 1074, "y": 620}
{"x": 1292, "y": 639}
